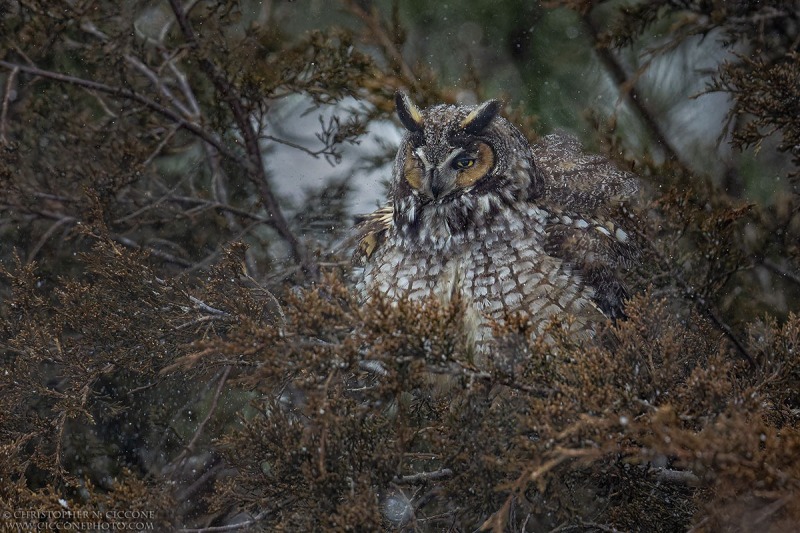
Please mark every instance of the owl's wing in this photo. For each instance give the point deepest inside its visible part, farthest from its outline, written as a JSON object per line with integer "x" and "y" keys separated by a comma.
{"x": 370, "y": 232}
{"x": 592, "y": 227}
{"x": 589, "y": 184}
{"x": 601, "y": 251}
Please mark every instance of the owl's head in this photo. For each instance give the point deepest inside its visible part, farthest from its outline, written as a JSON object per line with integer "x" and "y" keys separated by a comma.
{"x": 458, "y": 166}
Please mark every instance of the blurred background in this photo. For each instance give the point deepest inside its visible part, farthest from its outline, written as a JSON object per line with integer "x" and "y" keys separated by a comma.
{"x": 658, "y": 87}
{"x": 544, "y": 60}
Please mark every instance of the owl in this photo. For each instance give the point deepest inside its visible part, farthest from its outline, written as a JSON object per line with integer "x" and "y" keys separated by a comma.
{"x": 476, "y": 211}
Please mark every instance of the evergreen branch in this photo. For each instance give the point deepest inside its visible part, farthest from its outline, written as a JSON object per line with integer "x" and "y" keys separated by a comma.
{"x": 689, "y": 293}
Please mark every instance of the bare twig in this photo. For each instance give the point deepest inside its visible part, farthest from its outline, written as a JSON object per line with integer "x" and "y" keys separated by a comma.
{"x": 668, "y": 475}
{"x": 200, "y": 320}
{"x": 200, "y": 304}
{"x": 621, "y": 79}
{"x": 423, "y": 477}
{"x": 231, "y": 527}
{"x": 172, "y": 131}
{"x": 777, "y": 269}
{"x": 725, "y": 328}
{"x": 211, "y": 410}
{"x": 189, "y": 491}
{"x": 47, "y": 234}
{"x": 208, "y": 204}
{"x": 183, "y": 83}
{"x": 161, "y": 86}
{"x": 373, "y": 22}
{"x": 130, "y": 94}
{"x": 219, "y": 186}
{"x": 155, "y": 252}
{"x": 6, "y": 98}
{"x": 125, "y": 241}
{"x": 210, "y": 258}
{"x": 179, "y": 412}
{"x": 313, "y": 153}
{"x": 257, "y": 171}
{"x": 151, "y": 205}
{"x": 100, "y": 100}
{"x": 691, "y": 294}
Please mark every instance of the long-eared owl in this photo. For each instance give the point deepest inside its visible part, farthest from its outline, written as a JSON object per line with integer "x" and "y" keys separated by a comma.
{"x": 474, "y": 209}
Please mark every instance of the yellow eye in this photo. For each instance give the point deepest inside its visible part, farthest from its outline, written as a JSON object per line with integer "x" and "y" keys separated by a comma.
{"x": 463, "y": 162}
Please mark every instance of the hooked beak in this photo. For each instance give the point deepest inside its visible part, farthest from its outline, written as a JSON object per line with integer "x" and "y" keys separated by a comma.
{"x": 440, "y": 184}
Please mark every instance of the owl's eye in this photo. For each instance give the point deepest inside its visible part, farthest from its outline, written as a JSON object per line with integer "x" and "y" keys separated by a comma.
{"x": 463, "y": 162}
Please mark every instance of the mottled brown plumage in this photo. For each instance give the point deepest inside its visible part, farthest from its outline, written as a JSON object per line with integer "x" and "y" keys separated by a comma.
{"x": 476, "y": 210}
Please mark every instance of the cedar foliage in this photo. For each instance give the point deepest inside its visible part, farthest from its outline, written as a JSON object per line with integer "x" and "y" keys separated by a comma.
{"x": 151, "y": 360}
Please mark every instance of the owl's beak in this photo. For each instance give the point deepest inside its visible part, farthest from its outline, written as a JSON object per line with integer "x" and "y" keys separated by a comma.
{"x": 441, "y": 183}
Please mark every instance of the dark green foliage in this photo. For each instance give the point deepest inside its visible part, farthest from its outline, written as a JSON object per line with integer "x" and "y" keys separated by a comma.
{"x": 177, "y": 338}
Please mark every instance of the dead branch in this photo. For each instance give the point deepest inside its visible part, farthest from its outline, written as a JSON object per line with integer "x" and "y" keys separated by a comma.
{"x": 616, "y": 71}
{"x": 253, "y": 163}
{"x": 377, "y": 29}
{"x": 189, "y": 448}
{"x": 155, "y": 252}
{"x": 423, "y": 477}
{"x": 257, "y": 172}
{"x": 682, "y": 477}
{"x": 692, "y": 295}
{"x": 47, "y": 234}
{"x": 4, "y": 110}
{"x": 129, "y": 94}
{"x": 231, "y": 527}
{"x": 777, "y": 269}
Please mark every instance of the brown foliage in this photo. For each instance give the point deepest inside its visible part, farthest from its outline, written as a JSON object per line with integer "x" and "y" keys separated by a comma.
{"x": 657, "y": 427}
{"x": 143, "y": 366}
{"x": 371, "y": 416}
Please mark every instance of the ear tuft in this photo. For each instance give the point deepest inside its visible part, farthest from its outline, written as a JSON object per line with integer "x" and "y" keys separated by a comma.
{"x": 480, "y": 117}
{"x": 408, "y": 113}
